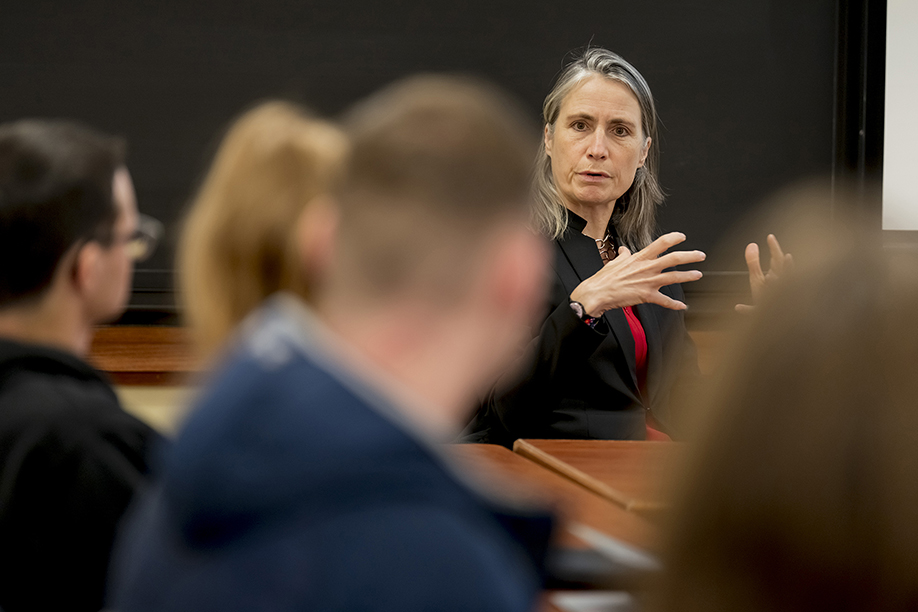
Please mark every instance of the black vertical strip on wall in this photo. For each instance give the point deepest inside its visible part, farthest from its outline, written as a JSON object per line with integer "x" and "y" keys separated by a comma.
{"x": 859, "y": 103}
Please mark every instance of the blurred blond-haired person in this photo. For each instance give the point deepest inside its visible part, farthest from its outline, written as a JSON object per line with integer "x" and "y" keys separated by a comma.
{"x": 237, "y": 245}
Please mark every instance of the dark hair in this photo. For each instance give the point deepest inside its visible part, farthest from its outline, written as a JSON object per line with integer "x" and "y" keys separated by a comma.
{"x": 55, "y": 191}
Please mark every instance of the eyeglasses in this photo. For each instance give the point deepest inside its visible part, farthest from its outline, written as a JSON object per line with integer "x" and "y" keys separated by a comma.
{"x": 141, "y": 244}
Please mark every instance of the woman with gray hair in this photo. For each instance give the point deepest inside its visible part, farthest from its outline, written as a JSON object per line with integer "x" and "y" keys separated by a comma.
{"x": 613, "y": 341}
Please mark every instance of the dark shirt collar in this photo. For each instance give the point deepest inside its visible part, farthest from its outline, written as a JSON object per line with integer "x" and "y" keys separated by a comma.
{"x": 575, "y": 222}
{"x": 41, "y": 358}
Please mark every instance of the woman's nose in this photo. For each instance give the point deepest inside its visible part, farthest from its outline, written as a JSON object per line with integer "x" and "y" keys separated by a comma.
{"x": 597, "y": 147}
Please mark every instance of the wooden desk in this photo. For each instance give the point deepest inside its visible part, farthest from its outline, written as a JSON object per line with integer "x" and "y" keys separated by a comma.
{"x": 630, "y": 474}
{"x": 144, "y": 355}
{"x": 137, "y": 355}
{"x": 510, "y": 475}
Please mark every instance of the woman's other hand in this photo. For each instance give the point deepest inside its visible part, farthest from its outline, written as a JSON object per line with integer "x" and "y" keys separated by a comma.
{"x": 632, "y": 279}
{"x": 780, "y": 264}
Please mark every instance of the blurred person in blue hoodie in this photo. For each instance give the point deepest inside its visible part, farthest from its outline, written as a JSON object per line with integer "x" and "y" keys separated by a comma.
{"x": 308, "y": 477}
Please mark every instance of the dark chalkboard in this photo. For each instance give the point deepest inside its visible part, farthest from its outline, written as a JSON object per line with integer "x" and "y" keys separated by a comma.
{"x": 745, "y": 88}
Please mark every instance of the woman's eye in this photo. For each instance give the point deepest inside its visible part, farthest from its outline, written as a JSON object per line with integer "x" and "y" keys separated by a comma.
{"x": 579, "y": 125}
{"x": 620, "y": 131}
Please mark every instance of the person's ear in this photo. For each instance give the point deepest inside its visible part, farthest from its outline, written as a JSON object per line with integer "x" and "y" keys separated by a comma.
{"x": 315, "y": 236}
{"x": 547, "y": 137}
{"x": 645, "y": 152}
{"x": 89, "y": 274}
{"x": 520, "y": 274}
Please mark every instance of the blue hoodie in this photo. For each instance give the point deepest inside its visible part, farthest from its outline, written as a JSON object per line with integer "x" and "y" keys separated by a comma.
{"x": 294, "y": 487}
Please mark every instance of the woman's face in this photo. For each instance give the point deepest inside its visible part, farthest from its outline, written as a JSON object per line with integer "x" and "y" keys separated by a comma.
{"x": 597, "y": 143}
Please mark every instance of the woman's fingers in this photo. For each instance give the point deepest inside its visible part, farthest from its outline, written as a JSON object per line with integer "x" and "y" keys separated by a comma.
{"x": 777, "y": 255}
{"x": 781, "y": 263}
{"x": 636, "y": 278}
{"x": 677, "y": 276}
{"x": 661, "y": 245}
{"x": 661, "y": 299}
{"x": 756, "y": 276}
{"x": 679, "y": 258}
{"x": 650, "y": 274}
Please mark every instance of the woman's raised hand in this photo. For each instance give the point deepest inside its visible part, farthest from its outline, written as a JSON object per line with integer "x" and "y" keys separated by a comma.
{"x": 781, "y": 263}
{"x": 632, "y": 279}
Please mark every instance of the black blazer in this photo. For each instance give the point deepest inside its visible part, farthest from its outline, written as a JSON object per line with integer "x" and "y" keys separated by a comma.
{"x": 577, "y": 382}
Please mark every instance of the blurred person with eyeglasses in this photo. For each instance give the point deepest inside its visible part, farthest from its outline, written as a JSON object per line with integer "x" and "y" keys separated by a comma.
{"x": 70, "y": 457}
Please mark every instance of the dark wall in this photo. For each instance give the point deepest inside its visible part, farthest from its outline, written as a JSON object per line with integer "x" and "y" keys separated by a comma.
{"x": 745, "y": 89}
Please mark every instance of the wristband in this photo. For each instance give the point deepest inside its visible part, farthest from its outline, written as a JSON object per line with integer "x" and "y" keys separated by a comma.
{"x": 579, "y": 310}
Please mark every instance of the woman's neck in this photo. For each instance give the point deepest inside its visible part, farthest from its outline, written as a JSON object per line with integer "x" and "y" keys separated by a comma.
{"x": 597, "y": 217}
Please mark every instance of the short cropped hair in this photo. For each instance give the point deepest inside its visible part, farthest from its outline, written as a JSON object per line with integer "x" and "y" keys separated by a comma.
{"x": 635, "y": 213}
{"x": 237, "y": 244}
{"x": 55, "y": 191}
{"x": 436, "y": 160}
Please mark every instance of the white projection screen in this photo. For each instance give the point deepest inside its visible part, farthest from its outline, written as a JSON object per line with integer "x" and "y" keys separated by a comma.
{"x": 900, "y": 140}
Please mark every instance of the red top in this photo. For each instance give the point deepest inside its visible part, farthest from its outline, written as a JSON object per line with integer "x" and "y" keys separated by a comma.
{"x": 640, "y": 362}
{"x": 640, "y": 344}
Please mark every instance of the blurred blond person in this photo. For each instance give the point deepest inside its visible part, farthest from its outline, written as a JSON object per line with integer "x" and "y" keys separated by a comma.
{"x": 237, "y": 245}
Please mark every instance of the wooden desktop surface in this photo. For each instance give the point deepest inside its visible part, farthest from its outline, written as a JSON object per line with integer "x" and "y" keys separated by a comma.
{"x": 631, "y": 474}
{"x": 510, "y": 475}
{"x": 164, "y": 356}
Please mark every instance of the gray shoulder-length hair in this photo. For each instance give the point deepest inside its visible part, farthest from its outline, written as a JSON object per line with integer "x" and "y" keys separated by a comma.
{"x": 635, "y": 215}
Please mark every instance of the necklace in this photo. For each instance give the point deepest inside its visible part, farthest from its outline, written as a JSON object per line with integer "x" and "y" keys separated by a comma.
{"x": 606, "y": 248}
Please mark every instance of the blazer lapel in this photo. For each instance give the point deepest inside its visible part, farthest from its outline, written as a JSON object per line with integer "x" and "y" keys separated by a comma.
{"x": 618, "y": 323}
{"x": 583, "y": 256}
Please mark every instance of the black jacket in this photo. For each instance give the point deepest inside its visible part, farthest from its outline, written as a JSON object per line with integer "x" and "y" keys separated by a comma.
{"x": 70, "y": 461}
{"x": 581, "y": 383}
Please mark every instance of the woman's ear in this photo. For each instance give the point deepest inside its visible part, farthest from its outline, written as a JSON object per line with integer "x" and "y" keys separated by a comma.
{"x": 315, "y": 236}
{"x": 645, "y": 152}
{"x": 547, "y": 138}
